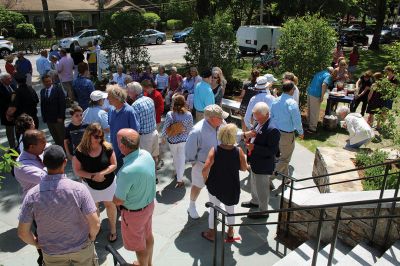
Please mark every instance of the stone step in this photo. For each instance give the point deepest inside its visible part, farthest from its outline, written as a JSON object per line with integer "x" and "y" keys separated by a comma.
{"x": 391, "y": 256}
{"x": 362, "y": 254}
{"x": 341, "y": 250}
{"x": 300, "y": 256}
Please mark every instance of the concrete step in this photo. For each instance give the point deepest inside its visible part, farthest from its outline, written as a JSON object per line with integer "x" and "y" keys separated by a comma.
{"x": 362, "y": 254}
{"x": 391, "y": 256}
{"x": 300, "y": 256}
{"x": 341, "y": 251}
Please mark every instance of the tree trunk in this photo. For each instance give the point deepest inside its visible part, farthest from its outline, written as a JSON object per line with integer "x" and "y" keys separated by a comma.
{"x": 250, "y": 13}
{"x": 203, "y": 8}
{"x": 380, "y": 19}
{"x": 46, "y": 18}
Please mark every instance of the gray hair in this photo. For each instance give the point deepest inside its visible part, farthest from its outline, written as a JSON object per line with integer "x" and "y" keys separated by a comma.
{"x": 128, "y": 79}
{"x": 135, "y": 87}
{"x": 343, "y": 110}
{"x": 4, "y": 75}
{"x": 117, "y": 92}
{"x": 330, "y": 69}
{"x": 120, "y": 66}
{"x": 52, "y": 73}
{"x": 261, "y": 108}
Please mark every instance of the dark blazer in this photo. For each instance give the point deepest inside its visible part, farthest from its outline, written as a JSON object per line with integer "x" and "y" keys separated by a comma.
{"x": 53, "y": 107}
{"x": 5, "y": 102}
{"x": 266, "y": 146}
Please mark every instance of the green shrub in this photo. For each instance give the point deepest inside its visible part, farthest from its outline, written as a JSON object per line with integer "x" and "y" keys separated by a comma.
{"x": 365, "y": 159}
{"x": 151, "y": 19}
{"x": 210, "y": 44}
{"x": 25, "y": 31}
{"x": 10, "y": 19}
{"x": 305, "y": 48}
{"x": 174, "y": 24}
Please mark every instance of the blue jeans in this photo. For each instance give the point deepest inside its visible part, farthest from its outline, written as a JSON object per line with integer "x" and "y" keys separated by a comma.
{"x": 357, "y": 145}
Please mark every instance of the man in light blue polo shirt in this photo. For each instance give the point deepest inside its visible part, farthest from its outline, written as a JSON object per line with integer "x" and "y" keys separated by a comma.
{"x": 203, "y": 95}
{"x": 135, "y": 193}
{"x": 315, "y": 95}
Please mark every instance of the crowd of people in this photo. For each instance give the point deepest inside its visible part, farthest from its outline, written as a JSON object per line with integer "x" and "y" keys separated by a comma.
{"x": 114, "y": 138}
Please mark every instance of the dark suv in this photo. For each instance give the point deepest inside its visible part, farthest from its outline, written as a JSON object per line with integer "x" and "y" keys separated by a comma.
{"x": 350, "y": 37}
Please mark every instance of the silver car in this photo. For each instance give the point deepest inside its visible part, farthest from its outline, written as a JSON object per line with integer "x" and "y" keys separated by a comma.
{"x": 150, "y": 36}
{"x": 82, "y": 37}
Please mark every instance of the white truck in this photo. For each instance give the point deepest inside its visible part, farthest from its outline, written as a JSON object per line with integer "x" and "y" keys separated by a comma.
{"x": 257, "y": 38}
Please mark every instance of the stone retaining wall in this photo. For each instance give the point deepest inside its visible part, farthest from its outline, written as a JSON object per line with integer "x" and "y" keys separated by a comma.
{"x": 351, "y": 232}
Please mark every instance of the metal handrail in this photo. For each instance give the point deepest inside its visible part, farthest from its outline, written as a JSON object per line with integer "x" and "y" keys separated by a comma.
{"x": 118, "y": 259}
{"x": 322, "y": 219}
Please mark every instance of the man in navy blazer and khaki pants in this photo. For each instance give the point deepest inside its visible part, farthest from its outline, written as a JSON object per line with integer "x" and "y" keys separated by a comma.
{"x": 52, "y": 105}
{"x": 262, "y": 145}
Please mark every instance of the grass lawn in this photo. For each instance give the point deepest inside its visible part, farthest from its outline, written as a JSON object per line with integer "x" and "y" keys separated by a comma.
{"x": 373, "y": 60}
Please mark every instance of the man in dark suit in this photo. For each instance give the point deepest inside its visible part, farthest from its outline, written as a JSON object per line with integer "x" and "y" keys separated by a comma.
{"x": 262, "y": 145}
{"x": 7, "y": 95}
{"x": 52, "y": 105}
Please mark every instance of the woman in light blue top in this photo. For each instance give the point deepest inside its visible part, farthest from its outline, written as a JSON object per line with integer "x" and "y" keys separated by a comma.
{"x": 161, "y": 79}
{"x": 177, "y": 126}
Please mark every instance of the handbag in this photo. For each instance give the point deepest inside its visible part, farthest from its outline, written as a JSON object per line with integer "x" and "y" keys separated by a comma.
{"x": 175, "y": 128}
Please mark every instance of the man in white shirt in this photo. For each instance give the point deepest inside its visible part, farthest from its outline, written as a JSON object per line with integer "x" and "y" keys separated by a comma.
{"x": 120, "y": 76}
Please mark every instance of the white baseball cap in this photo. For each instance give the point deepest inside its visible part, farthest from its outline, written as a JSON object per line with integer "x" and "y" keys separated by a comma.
{"x": 262, "y": 83}
{"x": 98, "y": 95}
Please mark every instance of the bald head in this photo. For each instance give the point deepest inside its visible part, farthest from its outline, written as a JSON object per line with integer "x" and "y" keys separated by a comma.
{"x": 128, "y": 140}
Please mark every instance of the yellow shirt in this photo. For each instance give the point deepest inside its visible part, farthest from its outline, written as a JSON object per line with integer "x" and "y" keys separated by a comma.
{"x": 92, "y": 55}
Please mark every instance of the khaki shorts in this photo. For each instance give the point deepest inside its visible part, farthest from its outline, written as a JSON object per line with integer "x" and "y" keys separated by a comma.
{"x": 84, "y": 257}
{"x": 149, "y": 142}
{"x": 197, "y": 176}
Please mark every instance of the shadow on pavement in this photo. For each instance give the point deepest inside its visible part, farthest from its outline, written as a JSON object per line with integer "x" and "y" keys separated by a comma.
{"x": 169, "y": 194}
{"x": 9, "y": 241}
{"x": 102, "y": 240}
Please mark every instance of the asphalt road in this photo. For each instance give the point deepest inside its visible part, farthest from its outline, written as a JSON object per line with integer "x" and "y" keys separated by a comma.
{"x": 167, "y": 54}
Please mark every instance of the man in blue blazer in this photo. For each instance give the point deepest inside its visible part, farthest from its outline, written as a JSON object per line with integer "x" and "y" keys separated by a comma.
{"x": 262, "y": 145}
{"x": 52, "y": 105}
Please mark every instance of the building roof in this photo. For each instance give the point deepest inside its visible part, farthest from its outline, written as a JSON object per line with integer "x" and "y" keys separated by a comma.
{"x": 69, "y": 5}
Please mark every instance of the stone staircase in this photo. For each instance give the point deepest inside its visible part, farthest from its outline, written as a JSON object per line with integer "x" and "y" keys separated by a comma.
{"x": 344, "y": 255}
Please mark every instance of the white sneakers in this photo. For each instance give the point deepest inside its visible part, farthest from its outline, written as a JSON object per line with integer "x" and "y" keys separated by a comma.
{"x": 193, "y": 213}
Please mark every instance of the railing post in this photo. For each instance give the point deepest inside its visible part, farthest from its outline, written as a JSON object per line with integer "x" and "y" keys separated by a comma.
{"x": 215, "y": 234}
{"x": 334, "y": 237}
{"x": 281, "y": 203}
{"x": 289, "y": 206}
{"x": 317, "y": 245}
{"x": 222, "y": 240}
{"x": 378, "y": 208}
{"x": 391, "y": 212}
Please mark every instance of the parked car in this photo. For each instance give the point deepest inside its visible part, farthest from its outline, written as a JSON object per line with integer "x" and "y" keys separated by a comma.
{"x": 151, "y": 36}
{"x": 182, "y": 35}
{"x": 6, "y": 47}
{"x": 388, "y": 36}
{"x": 355, "y": 27}
{"x": 351, "y": 37}
{"x": 82, "y": 37}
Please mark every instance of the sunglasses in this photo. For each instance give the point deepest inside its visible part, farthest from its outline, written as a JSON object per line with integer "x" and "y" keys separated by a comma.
{"x": 97, "y": 136}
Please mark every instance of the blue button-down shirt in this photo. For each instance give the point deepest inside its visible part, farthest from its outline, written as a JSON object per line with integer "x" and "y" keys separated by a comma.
{"x": 43, "y": 65}
{"x": 285, "y": 114}
{"x": 118, "y": 119}
{"x": 315, "y": 88}
{"x": 203, "y": 96}
{"x": 83, "y": 87}
{"x": 96, "y": 115}
{"x": 119, "y": 79}
{"x": 146, "y": 113}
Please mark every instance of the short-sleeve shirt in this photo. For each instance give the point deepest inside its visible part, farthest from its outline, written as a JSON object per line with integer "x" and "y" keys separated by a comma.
{"x": 161, "y": 81}
{"x": 203, "y": 96}
{"x": 174, "y": 81}
{"x": 315, "y": 88}
{"x": 95, "y": 115}
{"x": 74, "y": 134}
{"x": 95, "y": 165}
{"x": 136, "y": 180}
{"x": 59, "y": 206}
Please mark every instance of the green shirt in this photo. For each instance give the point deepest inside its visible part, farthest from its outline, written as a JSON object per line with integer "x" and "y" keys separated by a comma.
{"x": 136, "y": 180}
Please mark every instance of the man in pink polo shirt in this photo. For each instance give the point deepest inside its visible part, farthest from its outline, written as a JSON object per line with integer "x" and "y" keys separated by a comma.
{"x": 65, "y": 72}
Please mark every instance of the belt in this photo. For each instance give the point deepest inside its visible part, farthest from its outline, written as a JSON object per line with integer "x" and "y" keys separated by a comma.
{"x": 122, "y": 207}
{"x": 286, "y": 131}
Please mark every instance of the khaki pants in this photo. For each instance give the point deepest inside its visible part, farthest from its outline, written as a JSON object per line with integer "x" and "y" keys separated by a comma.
{"x": 286, "y": 148}
{"x": 314, "y": 106}
{"x": 57, "y": 131}
{"x": 84, "y": 257}
{"x": 68, "y": 89}
{"x": 260, "y": 190}
{"x": 199, "y": 116}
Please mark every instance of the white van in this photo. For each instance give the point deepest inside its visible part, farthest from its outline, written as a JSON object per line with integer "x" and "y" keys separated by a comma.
{"x": 257, "y": 38}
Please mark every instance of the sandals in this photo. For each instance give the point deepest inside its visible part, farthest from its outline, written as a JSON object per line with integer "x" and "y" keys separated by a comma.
{"x": 179, "y": 184}
{"x": 206, "y": 236}
{"x": 112, "y": 237}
